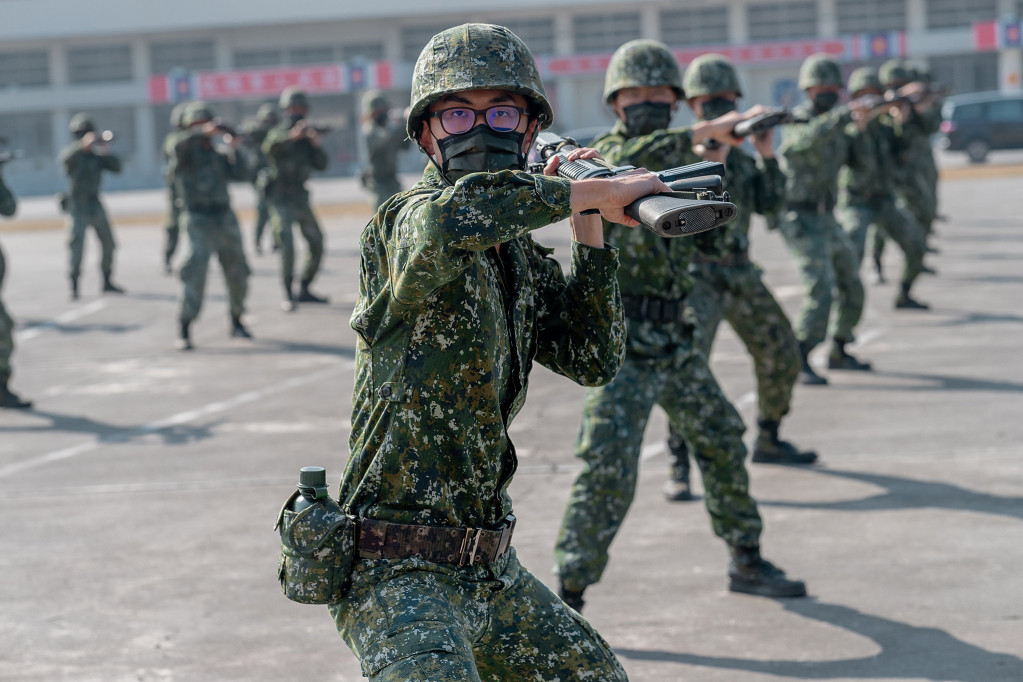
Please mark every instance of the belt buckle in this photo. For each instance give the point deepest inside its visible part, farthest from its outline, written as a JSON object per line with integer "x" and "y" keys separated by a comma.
{"x": 471, "y": 541}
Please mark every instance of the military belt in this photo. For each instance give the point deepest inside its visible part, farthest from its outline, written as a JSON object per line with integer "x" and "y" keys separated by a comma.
{"x": 209, "y": 208}
{"x": 818, "y": 207}
{"x": 438, "y": 544}
{"x": 729, "y": 260}
{"x": 654, "y": 308}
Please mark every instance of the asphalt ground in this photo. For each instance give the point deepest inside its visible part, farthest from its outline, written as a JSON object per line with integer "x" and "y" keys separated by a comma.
{"x": 137, "y": 499}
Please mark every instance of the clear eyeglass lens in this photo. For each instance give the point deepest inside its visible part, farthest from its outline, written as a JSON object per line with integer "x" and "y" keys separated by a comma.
{"x": 462, "y": 119}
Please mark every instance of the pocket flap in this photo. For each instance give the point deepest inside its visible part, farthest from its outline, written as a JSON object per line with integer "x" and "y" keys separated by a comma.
{"x": 406, "y": 641}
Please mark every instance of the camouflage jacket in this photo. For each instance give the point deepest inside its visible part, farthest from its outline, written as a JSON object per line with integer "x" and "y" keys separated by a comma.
{"x": 253, "y": 141}
{"x": 813, "y": 152}
{"x": 448, "y": 329}
{"x": 873, "y": 155}
{"x": 289, "y": 163}
{"x": 918, "y": 156}
{"x": 202, "y": 172}
{"x": 8, "y": 204}
{"x": 84, "y": 170}
{"x": 383, "y": 142}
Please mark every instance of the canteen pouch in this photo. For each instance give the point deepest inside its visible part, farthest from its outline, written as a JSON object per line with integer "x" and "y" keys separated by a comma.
{"x": 317, "y": 550}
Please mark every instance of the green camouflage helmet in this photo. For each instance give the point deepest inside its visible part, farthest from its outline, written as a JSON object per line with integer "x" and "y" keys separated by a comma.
{"x": 177, "y": 115}
{"x": 642, "y": 62}
{"x": 374, "y": 100}
{"x": 267, "y": 113}
{"x": 894, "y": 73}
{"x": 820, "y": 69}
{"x": 920, "y": 72}
{"x": 475, "y": 57}
{"x": 293, "y": 97}
{"x": 82, "y": 123}
{"x": 196, "y": 112}
{"x": 864, "y": 78}
{"x": 709, "y": 74}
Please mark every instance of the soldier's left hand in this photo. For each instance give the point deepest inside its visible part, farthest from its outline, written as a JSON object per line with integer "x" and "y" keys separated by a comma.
{"x": 581, "y": 153}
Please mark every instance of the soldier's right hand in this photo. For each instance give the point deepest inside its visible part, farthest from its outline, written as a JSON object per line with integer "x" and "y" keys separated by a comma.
{"x": 88, "y": 140}
{"x": 298, "y": 131}
{"x": 721, "y": 128}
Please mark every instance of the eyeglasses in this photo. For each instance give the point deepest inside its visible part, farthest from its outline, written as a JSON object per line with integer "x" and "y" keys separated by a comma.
{"x": 502, "y": 118}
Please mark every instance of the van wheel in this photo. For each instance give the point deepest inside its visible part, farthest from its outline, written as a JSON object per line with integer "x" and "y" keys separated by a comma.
{"x": 977, "y": 151}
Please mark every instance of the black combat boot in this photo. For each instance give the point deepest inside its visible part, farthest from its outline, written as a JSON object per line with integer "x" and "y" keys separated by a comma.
{"x": 306, "y": 296}
{"x": 676, "y": 488}
{"x": 841, "y": 359}
{"x": 184, "y": 336}
{"x": 109, "y": 287}
{"x": 573, "y": 598}
{"x": 238, "y": 330}
{"x": 749, "y": 573}
{"x": 289, "y": 303}
{"x": 74, "y": 288}
{"x": 8, "y": 399}
{"x": 769, "y": 449}
{"x": 907, "y": 302}
{"x": 807, "y": 376}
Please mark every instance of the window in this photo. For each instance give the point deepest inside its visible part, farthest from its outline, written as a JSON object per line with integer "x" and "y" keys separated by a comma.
{"x": 959, "y": 13}
{"x": 537, "y": 34}
{"x": 969, "y": 112}
{"x": 415, "y": 38}
{"x": 368, "y": 51}
{"x": 868, "y": 16}
{"x": 105, "y": 64}
{"x": 29, "y": 132}
{"x": 967, "y": 72}
{"x": 24, "y": 68}
{"x": 604, "y": 32}
{"x": 1005, "y": 111}
{"x": 254, "y": 59}
{"x": 782, "y": 20}
{"x": 312, "y": 54}
{"x": 194, "y": 55}
{"x": 699, "y": 26}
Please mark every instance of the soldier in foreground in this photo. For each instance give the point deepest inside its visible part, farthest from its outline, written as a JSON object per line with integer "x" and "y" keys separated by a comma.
{"x": 292, "y": 151}
{"x": 202, "y": 170}
{"x": 384, "y": 140}
{"x": 84, "y": 161}
{"x": 172, "y": 229}
{"x": 8, "y": 399}
{"x": 455, "y": 303}
{"x": 664, "y": 364}
{"x": 255, "y": 135}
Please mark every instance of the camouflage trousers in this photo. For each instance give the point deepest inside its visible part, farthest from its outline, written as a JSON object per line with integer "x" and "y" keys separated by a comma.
{"x": 262, "y": 216}
{"x": 6, "y": 329}
{"x": 611, "y": 436}
{"x": 208, "y": 234}
{"x": 887, "y": 219}
{"x": 413, "y": 620}
{"x": 172, "y": 228}
{"x": 80, "y": 216}
{"x": 738, "y": 295}
{"x": 284, "y": 214}
{"x": 827, "y": 263}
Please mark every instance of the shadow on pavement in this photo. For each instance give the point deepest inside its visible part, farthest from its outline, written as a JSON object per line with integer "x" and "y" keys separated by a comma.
{"x": 174, "y": 434}
{"x": 937, "y": 382}
{"x": 907, "y": 652}
{"x": 60, "y": 328}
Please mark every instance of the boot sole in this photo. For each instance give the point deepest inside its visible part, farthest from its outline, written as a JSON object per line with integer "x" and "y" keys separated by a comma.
{"x": 759, "y": 590}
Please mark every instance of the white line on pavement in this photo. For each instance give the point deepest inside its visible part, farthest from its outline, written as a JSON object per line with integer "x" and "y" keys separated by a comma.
{"x": 63, "y": 318}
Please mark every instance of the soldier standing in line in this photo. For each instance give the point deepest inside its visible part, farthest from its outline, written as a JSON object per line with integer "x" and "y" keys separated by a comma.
{"x": 292, "y": 151}
{"x": 728, "y": 285}
{"x": 664, "y": 364}
{"x": 202, "y": 170}
{"x": 172, "y": 229}
{"x": 384, "y": 140}
{"x": 8, "y": 399}
{"x": 813, "y": 149}
{"x": 867, "y": 183}
{"x": 455, "y": 304}
{"x": 255, "y": 135}
{"x": 84, "y": 161}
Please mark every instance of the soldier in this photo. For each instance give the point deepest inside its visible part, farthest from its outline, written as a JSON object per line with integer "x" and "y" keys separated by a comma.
{"x": 664, "y": 364}
{"x": 384, "y": 140}
{"x": 727, "y": 283}
{"x": 813, "y": 150}
{"x": 172, "y": 229}
{"x": 202, "y": 171}
{"x": 84, "y": 161}
{"x": 8, "y": 399}
{"x": 455, "y": 303}
{"x": 255, "y": 135}
{"x": 292, "y": 150}
{"x": 867, "y": 184}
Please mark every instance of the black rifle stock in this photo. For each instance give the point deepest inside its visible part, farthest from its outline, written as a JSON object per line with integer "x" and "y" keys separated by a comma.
{"x": 695, "y": 204}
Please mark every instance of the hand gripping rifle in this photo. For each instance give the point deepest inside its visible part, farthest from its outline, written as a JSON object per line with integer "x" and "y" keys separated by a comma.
{"x": 756, "y": 125}
{"x": 695, "y": 204}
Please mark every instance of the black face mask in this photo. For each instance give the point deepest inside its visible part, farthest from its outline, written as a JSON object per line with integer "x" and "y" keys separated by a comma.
{"x": 295, "y": 118}
{"x": 825, "y": 101}
{"x": 481, "y": 150}
{"x": 717, "y": 107}
{"x": 646, "y": 117}
{"x": 381, "y": 118}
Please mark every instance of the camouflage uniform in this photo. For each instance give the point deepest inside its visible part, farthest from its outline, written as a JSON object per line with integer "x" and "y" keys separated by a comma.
{"x": 172, "y": 229}
{"x": 84, "y": 170}
{"x": 266, "y": 118}
{"x": 383, "y": 142}
{"x": 202, "y": 172}
{"x": 448, "y": 329}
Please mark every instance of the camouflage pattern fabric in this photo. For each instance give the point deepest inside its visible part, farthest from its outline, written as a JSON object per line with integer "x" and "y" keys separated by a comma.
{"x": 813, "y": 153}
{"x": 383, "y": 143}
{"x": 642, "y": 62}
{"x": 663, "y": 366}
{"x": 84, "y": 170}
{"x": 413, "y": 620}
{"x": 202, "y": 172}
{"x": 710, "y": 74}
{"x": 8, "y": 204}
{"x": 172, "y": 228}
{"x": 258, "y": 168}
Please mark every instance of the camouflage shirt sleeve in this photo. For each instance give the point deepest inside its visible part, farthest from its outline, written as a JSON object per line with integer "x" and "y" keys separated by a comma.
{"x": 768, "y": 187}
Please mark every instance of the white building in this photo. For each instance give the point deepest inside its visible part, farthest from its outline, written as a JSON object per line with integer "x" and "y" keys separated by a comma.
{"x": 123, "y": 60}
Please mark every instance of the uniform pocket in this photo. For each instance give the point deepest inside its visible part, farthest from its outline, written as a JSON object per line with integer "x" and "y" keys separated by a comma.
{"x": 407, "y": 641}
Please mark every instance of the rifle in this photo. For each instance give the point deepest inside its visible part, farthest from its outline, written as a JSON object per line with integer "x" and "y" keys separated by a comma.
{"x": 695, "y": 204}
{"x": 756, "y": 125}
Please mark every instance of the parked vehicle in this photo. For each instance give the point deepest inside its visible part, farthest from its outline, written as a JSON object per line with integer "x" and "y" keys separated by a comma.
{"x": 982, "y": 121}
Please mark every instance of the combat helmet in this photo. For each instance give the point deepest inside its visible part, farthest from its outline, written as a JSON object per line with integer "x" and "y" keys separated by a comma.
{"x": 374, "y": 100}
{"x": 177, "y": 115}
{"x": 81, "y": 124}
{"x": 293, "y": 97}
{"x": 473, "y": 57}
{"x": 642, "y": 62}
{"x": 894, "y": 73}
{"x": 864, "y": 78}
{"x": 196, "y": 112}
{"x": 710, "y": 73}
{"x": 820, "y": 69}
{"x": 267, "y": 113}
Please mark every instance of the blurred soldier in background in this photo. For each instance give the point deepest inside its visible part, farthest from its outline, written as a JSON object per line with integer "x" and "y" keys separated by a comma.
{"x": 293, "y": 151}
{"x": 255, "y": 135}
{"x": 385, "y": 138}
{"x": 8, "y": 399}
{"x": 202, "y": 170}
{"x": 172, "y": 228}
{"x": 84, "y": 161}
